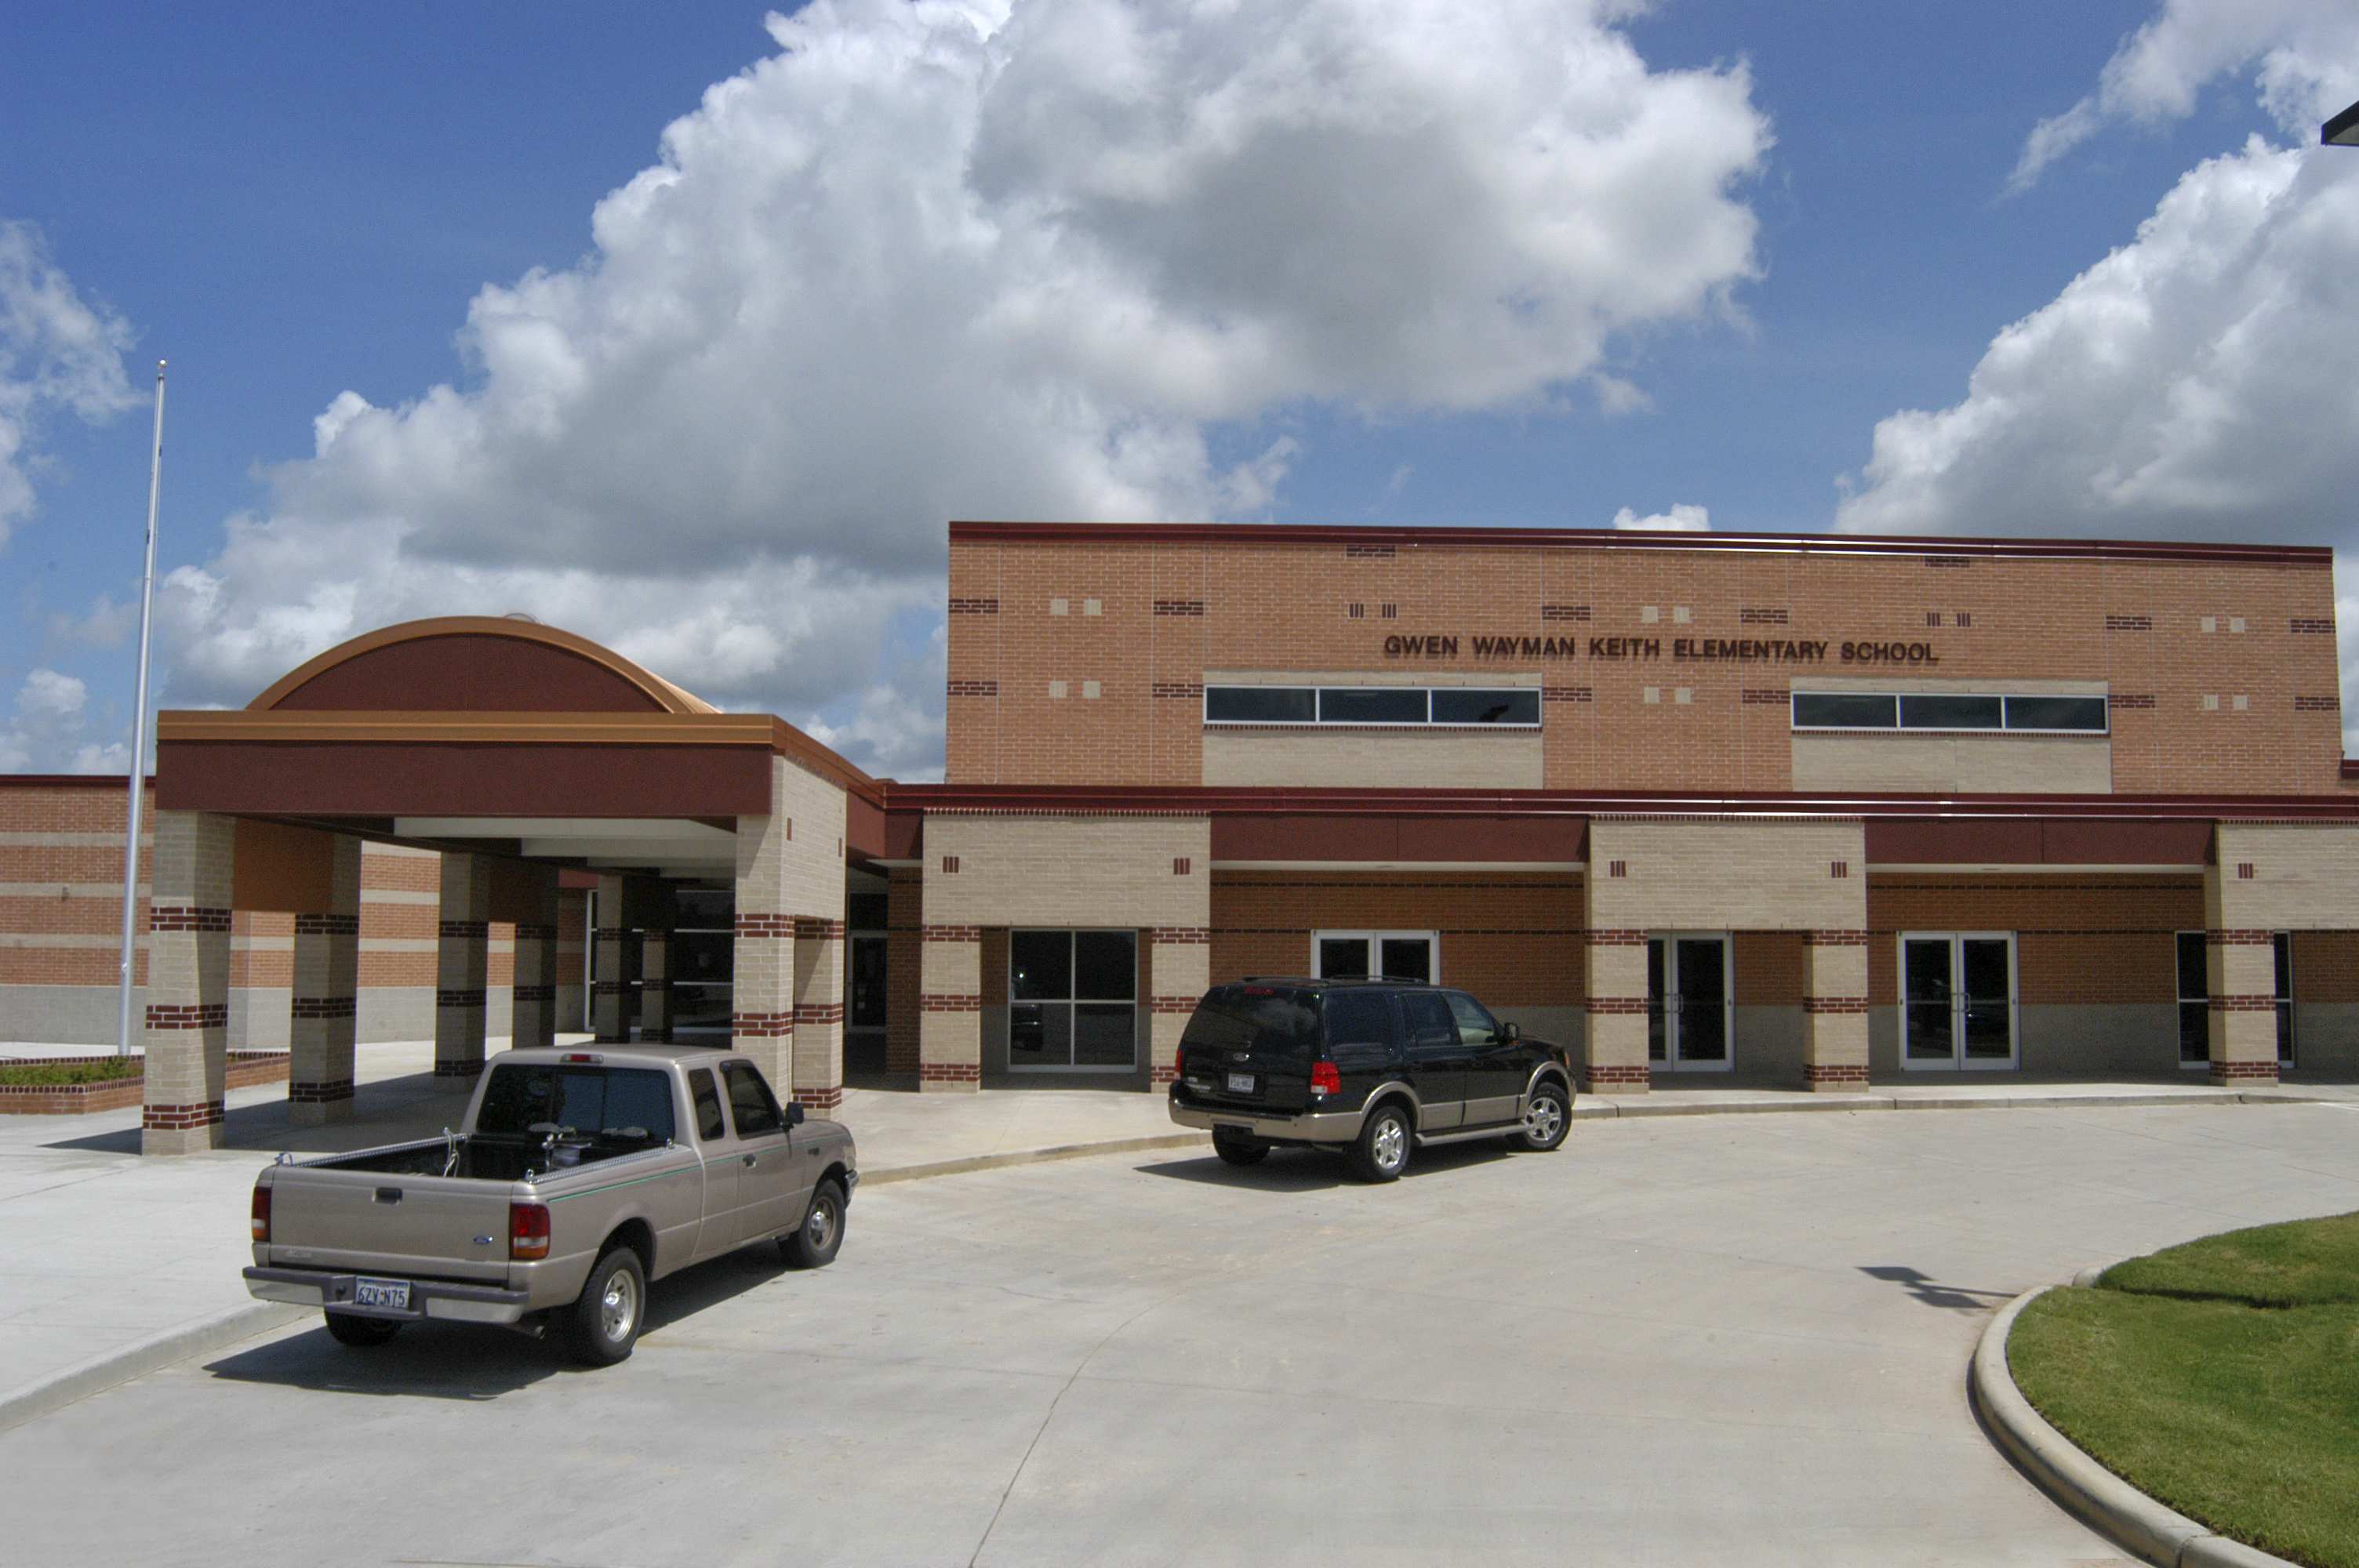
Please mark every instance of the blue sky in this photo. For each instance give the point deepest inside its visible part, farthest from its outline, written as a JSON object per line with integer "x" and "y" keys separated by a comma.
{"x": 304, "y": 205}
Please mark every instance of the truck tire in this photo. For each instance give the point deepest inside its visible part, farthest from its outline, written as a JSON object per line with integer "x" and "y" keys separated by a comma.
{"x": 350, "y": 1328}
{"x": 603, "y": 1325}
{"x": 814, "y": 1243}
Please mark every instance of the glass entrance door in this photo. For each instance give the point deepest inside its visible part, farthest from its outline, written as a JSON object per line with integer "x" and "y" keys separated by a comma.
{"x": 1957, "y": 999}
{"x": 1373, "y": 955}
{"x": 1691, "y": 1002}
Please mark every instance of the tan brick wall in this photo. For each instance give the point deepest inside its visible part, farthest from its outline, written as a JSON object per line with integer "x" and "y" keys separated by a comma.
{"x": 1512, "y": 938}
{"x": 1068, "y": 870}
{"x": 2043, "y": 765}
{"x": 1170, "y": 613}
{"x": 1439, "y": 759}
{"x": 1651, "y": 874}
{"x": 2301, "y": 877}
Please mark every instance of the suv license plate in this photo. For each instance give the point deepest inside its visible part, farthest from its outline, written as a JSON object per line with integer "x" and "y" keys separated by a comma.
{"x": 1241, "y": 1083}
{"x": 394, "y": 1294}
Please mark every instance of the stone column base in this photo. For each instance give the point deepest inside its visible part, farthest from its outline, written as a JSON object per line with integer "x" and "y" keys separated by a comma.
{"x": 180, "y": 1128}
{"x": 2244, "y": 1074}
{"x": 950, "y": 1077}
{"x": 1835, "y": 1077}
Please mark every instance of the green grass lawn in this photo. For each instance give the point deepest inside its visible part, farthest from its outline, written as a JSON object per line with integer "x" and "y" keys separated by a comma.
{"x": 95, "y": 1070}
{"x": 2220, "y": 1377}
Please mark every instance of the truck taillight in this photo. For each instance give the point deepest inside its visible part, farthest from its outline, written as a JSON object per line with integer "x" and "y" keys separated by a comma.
{"x": 1325, "y": 1079}
{"x": 528, "y": 1232}
{"x": 261, "y": 1212}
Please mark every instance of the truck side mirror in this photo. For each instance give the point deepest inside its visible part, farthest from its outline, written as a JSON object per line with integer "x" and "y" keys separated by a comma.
{"x": 794, "y": 1113}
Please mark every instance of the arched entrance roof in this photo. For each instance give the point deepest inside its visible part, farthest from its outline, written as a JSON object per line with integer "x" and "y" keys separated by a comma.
{"x": 477, "y": 663}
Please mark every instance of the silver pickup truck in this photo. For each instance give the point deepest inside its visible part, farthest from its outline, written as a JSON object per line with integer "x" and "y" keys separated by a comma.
{"x": 578, "y": 1176}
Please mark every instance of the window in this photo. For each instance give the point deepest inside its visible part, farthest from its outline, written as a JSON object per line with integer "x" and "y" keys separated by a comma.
{"x": 1953, "y": 711}
{"x": 1271, "y": 1021}
{"x": 1359, "y": 1018}
{"x": 1454, "y": 706}
{"x": 1072, "y": 1000}
{"x": 2194, "y": 1002}
{"x": 2282, "y": 944}
{"x": 615, "y": 1104}
{"x": 864, "y": 986}
{"x": 1374, "y": 955}
{"x": 1432, "y": 1029}
{"x": 751, "y": 1105}
{"x": 707, "y": 1095}
{"x": 1476, "y": 1028}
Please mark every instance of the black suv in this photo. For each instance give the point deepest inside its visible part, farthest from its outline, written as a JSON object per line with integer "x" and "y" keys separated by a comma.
{"x": 1375, "y": 1067}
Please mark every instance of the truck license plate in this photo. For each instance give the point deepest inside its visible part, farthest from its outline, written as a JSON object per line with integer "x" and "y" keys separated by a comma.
{"x": 394, "y": 1294}
{"x": 1241, "y": 1083}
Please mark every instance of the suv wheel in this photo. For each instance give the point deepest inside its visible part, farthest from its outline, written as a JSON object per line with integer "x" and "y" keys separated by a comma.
{"x": 1382, "y": 1152}
{"x": 1238, "y": 1148}
{"x": 1547, "y": 1116}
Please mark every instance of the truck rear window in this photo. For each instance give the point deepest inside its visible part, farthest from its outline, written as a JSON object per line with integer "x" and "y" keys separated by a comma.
{"x": 1268, "y": 1020}
{"x": 623, "y": 1105}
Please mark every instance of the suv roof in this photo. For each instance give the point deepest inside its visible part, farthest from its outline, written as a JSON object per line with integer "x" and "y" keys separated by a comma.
{"x": 1331, "y": 982}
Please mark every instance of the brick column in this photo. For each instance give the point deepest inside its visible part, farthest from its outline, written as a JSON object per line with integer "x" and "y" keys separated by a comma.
{"x": 950, "y": 1026}
{"x": 661, "y": 913}
{"x": 1613, "y": 1060}
{"x": 761, "y": 971}
{"x": 186, "y": 1036}
{"x": 904, "y": 968}
{"x": 819, "y": 1012}
{"x": 461, "y": 958}
{"x": 321, "y": 1023}
{"x": 532, "y": 1011}
{"x": 2240, "y": 957}
{"x": 1180, "y": 963}
{"x": 610, "y": 991}
{"x": 1834, "y": 1010}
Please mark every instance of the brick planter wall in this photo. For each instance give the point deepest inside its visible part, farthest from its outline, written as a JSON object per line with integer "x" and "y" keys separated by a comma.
{"x": 246, "y": 1069}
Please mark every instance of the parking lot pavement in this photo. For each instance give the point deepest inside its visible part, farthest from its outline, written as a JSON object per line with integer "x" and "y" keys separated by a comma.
{"x": 1680, "y": 1340}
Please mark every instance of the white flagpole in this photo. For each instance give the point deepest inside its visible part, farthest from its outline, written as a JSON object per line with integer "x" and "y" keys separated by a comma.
{"x": 139, "y": 733}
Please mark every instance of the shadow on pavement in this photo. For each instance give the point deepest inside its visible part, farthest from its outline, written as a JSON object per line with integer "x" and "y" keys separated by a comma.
{"x": 474, "y": 1362}
{"x": 1312, "y": 1170}
{"x": 386, "y": 1111}
{"x": 1921, "y": 1285}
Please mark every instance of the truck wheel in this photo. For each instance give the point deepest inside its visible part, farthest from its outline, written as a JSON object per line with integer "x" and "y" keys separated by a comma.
{"x": 813, "y": 1244}
{"x": 1547, "y": 1117}
{"x": 1382, "y": 1152}
{"x": 352, "y": 1328}
{"x": 603, "y": 1324}
{"x": 1238, "y": 1148}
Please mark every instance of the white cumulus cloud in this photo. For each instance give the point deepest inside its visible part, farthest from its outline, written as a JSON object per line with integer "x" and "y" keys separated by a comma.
{"x": 58, "y": 351}
{"x": 1681, "y": 518}
{"x": 976, "y": 258}
{"x": 48, "y": 733}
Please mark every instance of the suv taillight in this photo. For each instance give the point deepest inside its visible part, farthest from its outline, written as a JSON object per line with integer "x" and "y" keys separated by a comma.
{"x": 1325, "y": 1079}
{"x": 1179, "y": 1062}
{"x": 261, "y": 1212}
{"x": 528, "y": 1232}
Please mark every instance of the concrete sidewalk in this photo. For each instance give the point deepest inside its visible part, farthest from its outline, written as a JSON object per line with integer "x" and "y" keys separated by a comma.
{"x": 111, "y": 1265}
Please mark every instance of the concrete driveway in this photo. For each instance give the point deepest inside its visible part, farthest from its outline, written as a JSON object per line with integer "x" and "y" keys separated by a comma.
{"x": 1721, "y": 1339}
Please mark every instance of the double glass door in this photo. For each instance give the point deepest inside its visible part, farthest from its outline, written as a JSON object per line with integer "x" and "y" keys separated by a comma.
{"x": 1691, "y": 1003}
{"x": 1374, "y": 955}
{"x": 1957, "y": 999}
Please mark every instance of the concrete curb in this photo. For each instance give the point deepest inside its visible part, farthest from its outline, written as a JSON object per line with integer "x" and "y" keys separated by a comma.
{"x": 137, "y": 1360}
{"x": 880, "y": 1175}
{"x": 2088, "y": 1492}
{"x": 1589, "y": 1107}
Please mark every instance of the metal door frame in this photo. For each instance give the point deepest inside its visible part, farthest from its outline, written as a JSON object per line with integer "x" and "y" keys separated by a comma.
{"x": 1672, "y": 1061}
{"x": 1959, "y": 1061}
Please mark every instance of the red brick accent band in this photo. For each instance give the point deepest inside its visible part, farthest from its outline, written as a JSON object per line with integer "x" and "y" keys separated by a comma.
{"x": 321, "y": 1007}
{"x": 778, "y": 926}
{"x": 196, "y": 1015}
{"x": 615, "y": 932}
{"x": 2141, "y": 700}
{"x": 974, "y": 688}
{"x": 535, "y": 993}
{"x": 949, "y": 1072}
{"x": 1762, "y": 696}
{"x": 1368, "y": 552}
{"x": 950, "y": 932}
{"x": 1163, "y": 1073}
{"x": 326, "y": 925}
{"x": 186, "y": 917}
{"x": 1182, "y": 935}
{"x": 2233, "y": 937}
{"x": 180, "y": 1118}
{"x": 2312, "y": 626}
{"x": 1618, "y": 1004}
{"x": 1192, "y": 607}
{"x": 1172, "y": 1004}
{"x": 1835, "y": 938}
{"x": 974, "y": 606}
{"x": 458, "y": 1069}
{"x": 1600, "y": 1076}
{"x": 1835, "y": 1073}
{"x": 1834, "y": 1004}
{"x": 2317, "y": 704}
{"x": 1566, "y": 693}
{"x": 820, "y": 1099}
{"x": 463, "y": 930}
{"x": 2246, "y": 1004}
{"x": 458, "y": 996}
{"x": 2246, "y": 1072}
{"x": 327, "y": 1091}
{"x": 525, "y": 933}
{"x": 819, "y": 1012}
{"x": 1606, "y": 936}
{"x": 1564, "y": 612}
{"x": 814, "y": 928}
{"x": 762, "y": 1025}
{"x": 1176, "y": 688}
{"x": 1764, "y": 617}
{"x": 949, "y": 1001}
{"x": 609, "y": 987}
{"x": 2129, "y": 622}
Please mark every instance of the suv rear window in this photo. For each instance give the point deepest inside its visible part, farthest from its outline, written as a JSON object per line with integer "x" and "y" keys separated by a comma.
{"x": 1268, "y": 1019}
{"x": 631, "y": 1105}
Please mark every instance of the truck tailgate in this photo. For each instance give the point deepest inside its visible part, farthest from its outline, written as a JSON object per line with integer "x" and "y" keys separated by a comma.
{"x": 373, "y": 1222}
